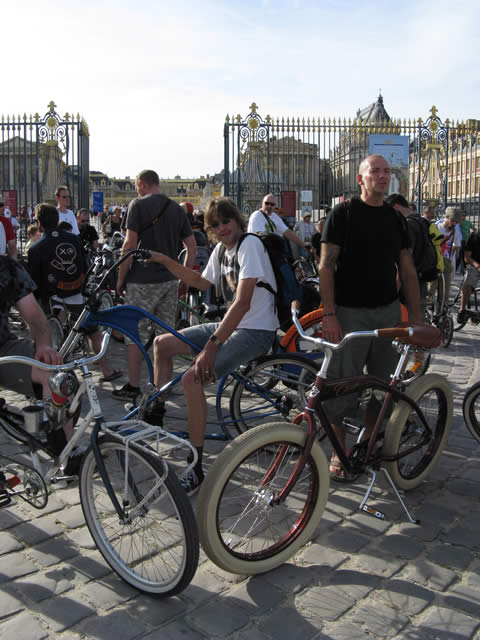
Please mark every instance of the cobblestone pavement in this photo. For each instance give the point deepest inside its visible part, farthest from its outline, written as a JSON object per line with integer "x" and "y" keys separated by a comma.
{"x": 359, "y": 577}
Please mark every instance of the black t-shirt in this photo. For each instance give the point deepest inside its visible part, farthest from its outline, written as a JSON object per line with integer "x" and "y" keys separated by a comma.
{"x": 316, "y": 240}
{"x": 163, "y": 236}
{"x": 473, "y": 245}
{"x": 23, "y": 286}
{"x": 57, "y": 264}
{"x": 88, "y": 234}
{"x": 370, "y": 239}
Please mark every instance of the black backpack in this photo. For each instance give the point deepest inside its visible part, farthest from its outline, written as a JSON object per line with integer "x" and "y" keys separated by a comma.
{"x": 424, "y": 254}
{"x": 288, "y": 288}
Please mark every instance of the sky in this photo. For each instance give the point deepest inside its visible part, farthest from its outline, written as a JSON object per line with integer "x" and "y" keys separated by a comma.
{"x": 155, "y": 79}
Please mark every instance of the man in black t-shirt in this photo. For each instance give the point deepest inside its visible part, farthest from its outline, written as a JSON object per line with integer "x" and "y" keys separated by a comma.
{"x": 88, "y": 233}
{"x": 472, "y": 259}
{"x": 364, "y": 246}
{"x": 57, "y": 261}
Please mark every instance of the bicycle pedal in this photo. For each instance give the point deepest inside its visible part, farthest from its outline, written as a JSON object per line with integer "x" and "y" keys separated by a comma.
{"x": 373, "y": 512}
{"x": 5, "y": 499}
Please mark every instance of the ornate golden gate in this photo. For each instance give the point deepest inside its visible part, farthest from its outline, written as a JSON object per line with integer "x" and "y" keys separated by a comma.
{"x": 321, "y": 155}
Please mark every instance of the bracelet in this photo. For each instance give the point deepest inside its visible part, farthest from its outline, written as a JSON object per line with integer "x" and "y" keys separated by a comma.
{"x": 327, "y": 315}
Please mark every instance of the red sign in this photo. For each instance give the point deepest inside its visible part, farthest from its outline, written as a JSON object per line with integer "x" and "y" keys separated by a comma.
{"x": 289, "y": 203}
{"x": 10, "y": 199}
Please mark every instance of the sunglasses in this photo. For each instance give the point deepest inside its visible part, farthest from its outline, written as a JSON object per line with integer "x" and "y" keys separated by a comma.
{"x": 270, "y": 204}
{"x": 224, "y": 221}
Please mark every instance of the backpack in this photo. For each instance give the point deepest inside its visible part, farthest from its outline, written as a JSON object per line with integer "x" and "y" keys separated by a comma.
{"x": 288, "y": 288}
{"x": 425, "y": 255}
{"x": 437, "y": 238}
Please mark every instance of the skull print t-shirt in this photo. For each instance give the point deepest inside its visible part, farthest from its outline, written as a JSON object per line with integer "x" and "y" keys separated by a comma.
{"x": 57, "y": 264}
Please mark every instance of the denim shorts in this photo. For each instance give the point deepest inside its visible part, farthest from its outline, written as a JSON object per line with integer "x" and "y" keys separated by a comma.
{"x": 241, "y": 347}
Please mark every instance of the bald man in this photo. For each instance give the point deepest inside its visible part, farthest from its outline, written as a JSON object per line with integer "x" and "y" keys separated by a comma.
{"x": 364, "y": 245}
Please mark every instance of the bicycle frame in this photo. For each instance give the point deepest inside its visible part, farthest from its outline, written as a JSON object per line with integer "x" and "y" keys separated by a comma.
{"x": 122, "y": 431}
{"x": 324, "y": 389}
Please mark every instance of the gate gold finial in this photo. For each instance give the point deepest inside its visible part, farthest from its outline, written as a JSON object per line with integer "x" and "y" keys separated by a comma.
{"x": 51, "y": 106}
{"x": 253, "y": 107}
{"x": 433, "y": 111}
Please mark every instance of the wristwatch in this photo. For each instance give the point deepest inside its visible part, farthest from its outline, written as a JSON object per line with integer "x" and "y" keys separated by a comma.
{"x": 213, "y": 338}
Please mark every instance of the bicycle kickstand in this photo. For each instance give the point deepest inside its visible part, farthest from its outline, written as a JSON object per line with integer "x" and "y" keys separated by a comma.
{"x": 379, "y": 514}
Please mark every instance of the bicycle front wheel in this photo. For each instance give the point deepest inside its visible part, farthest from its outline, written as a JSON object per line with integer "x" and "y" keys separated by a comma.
{"x": 405, "y": 430}
{"x": 56, "y": 332}
{"x": 471, "y": 409}
{"x": 274, "y": 388}
{"x": 154, "y": 547}
{"x": 242, "y": 528}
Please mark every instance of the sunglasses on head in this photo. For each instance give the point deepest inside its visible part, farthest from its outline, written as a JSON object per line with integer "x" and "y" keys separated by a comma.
{"x": 223, "y": 221}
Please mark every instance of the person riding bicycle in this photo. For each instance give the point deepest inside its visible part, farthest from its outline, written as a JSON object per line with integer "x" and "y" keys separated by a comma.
{"x": 57, "y": 264}
{"x": 245, "y": 333}
{"x": 364, "y": 246}
{"x": 472, "y": 260}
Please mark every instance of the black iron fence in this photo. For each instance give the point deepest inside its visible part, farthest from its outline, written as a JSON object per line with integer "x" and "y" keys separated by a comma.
{"x": 37, "y": 154}
{"x": 314, "y": 161}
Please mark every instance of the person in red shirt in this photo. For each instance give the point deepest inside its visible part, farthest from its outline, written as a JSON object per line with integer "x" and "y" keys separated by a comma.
{"x": 8, "y": 240}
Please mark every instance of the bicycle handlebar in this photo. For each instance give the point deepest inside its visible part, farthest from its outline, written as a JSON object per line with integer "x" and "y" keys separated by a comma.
{"x": 136, "y": 254}
{"x": 58, "y": 367}
{"x": 390, "y": 332}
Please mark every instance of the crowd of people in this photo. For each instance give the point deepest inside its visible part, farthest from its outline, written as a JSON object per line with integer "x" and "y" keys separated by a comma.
{"x": 366, "y": 250}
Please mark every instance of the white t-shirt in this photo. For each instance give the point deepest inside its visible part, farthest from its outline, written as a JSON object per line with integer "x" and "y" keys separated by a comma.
{"x": 257, "y": 223}
{"x": 254, "y": 262}
{"x": 69, "y": 217}
{"x": 454, "y": 241}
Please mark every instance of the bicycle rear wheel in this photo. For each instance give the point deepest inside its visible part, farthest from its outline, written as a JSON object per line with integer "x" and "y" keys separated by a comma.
{"x": 446, "y": 326}
{"x": 471, "y": 409}
{"x": 405, "y": 430}
{"x": 156, "y": 549}
{"x": 242, "y": 529}
{"x": 274, "y": 388}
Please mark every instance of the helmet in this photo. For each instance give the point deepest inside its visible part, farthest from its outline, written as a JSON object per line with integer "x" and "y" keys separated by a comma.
{"x": 187, "y": 207}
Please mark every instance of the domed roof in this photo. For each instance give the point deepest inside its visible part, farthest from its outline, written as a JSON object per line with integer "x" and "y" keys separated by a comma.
{"x": 375, "y": 112}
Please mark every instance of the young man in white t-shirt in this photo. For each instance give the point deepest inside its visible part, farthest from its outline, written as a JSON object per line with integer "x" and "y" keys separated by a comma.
{"x": 246, "y": 332}
{"x": 266, "y": 221}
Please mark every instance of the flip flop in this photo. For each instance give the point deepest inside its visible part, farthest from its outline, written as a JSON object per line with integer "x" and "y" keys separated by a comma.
{"x": 116, "y": 373}
{"x": 336, "y": 466}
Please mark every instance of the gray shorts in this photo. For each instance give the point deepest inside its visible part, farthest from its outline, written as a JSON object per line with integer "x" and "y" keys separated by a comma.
{"x": 241, "y": 347}
{"x": 159, "y": 299}
{"x": 17, "y": 377}
{"x": 376, "y": 356}
{"x": 473, "y": 276}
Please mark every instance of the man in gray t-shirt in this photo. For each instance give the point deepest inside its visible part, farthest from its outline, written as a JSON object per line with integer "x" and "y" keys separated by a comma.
{"x": 153, "y": 222}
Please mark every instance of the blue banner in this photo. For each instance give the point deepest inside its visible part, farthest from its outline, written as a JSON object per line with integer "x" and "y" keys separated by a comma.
{"x": 97, "y": 201}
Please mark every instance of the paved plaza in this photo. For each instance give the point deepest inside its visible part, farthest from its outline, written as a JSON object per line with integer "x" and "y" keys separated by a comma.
{"x": 359, "y": 578}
